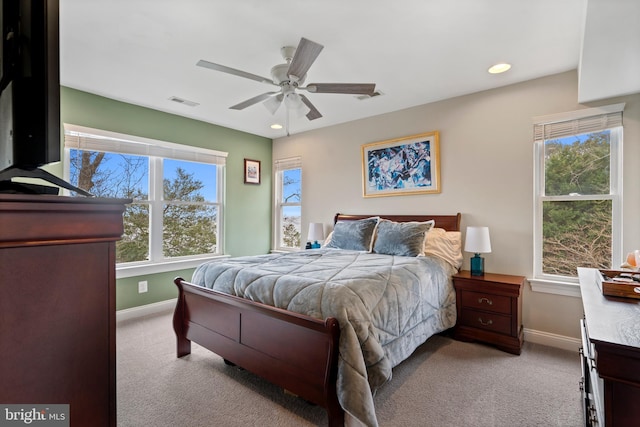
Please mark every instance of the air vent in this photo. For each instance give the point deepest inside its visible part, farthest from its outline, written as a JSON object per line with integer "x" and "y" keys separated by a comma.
{"x": 363, "y": 97}
{"x": 183, "y": 101}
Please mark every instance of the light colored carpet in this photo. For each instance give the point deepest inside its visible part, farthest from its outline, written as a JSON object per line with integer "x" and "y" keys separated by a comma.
{"x": 444, "y": 383}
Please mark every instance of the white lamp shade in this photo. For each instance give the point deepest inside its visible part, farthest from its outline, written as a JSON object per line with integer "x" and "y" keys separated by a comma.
{"x": 477, "y": 240}
{"x": 316, "y": 232}
{"x": 272, "y": 104}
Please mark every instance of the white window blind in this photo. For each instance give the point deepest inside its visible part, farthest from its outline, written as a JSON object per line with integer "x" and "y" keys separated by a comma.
{"x": 89, "y": 139}
{"x": 578, "y": 122}
{"x": 289, "y": 163}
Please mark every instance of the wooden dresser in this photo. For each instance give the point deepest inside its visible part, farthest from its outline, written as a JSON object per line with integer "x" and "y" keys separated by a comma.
{"x": 57, "y": 304}
{"x": 610, "y": 356}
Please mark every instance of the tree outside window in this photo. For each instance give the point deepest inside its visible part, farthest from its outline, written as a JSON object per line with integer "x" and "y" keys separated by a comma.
{"x": 185, "y": 201}
{"x": 287, "y": 204}
{"x": 577, "y": 206}
{"x": 291, "y": 208}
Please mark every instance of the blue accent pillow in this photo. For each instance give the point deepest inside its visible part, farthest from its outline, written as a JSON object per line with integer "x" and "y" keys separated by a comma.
{"x": 401, "y": 238}
{"x": 354, "y": 235}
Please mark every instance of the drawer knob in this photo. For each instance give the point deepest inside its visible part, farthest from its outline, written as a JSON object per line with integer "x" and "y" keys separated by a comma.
{"x": 482, "y": 322}
{"x": 485, "y": 300}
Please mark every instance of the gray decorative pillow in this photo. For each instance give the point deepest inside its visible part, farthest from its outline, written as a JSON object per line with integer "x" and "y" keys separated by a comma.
{"x": 401, "y": 238}
{"x": 354, "y": 235}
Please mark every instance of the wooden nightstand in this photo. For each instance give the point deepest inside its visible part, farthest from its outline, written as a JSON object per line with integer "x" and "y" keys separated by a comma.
{"x": 489, "y": 309}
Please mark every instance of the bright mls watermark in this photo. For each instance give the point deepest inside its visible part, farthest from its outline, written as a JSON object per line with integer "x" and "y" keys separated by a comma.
{"x": 34, "y": 415}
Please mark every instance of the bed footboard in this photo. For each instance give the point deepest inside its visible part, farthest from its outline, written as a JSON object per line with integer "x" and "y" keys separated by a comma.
{"x": 293, "y": 351}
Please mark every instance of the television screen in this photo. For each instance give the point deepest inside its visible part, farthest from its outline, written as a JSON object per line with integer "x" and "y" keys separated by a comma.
{"x": 29, "y": 84}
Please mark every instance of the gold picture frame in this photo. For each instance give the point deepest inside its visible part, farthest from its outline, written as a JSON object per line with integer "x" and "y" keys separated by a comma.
{"x": 402, "y": 166}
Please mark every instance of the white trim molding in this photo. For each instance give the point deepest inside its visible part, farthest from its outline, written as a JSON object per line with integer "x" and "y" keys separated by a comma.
{"x": 145, "y": 310}
{"x": 552, "y": 340}
{"x": 555, "y": 287}
{"x": 142, "y": 269}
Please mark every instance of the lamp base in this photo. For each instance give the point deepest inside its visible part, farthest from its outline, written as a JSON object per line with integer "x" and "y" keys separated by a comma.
{"x": 477, "y": 265}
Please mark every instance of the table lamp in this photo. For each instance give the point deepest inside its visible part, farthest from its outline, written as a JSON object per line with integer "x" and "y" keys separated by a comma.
{"x": 316, "y": 232}
{"x": 477, "y": 241}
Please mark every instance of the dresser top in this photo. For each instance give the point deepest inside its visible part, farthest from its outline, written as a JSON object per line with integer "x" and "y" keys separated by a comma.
{"x": 609, "y": 319}
{"x": 46, "y": 219}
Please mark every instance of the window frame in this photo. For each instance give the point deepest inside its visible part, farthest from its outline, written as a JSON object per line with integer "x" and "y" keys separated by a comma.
{"x": 280, "y": 166}
{"x": 89, "y": 139}
{"x": 565, "y": 285}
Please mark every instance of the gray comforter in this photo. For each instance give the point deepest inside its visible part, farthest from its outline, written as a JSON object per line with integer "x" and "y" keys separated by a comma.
{"x": 386, "y": 306}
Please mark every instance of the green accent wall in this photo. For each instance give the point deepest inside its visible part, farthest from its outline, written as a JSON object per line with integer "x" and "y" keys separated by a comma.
{"x": 247, "y": 215}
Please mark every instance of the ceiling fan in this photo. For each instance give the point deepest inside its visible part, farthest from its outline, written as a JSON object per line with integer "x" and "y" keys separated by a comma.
{"x": 290, "y": 77}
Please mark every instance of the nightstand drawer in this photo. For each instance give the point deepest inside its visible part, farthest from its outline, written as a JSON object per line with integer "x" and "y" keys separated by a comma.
{"x": 486, "y": 301}
{"x": 488, "y": 321}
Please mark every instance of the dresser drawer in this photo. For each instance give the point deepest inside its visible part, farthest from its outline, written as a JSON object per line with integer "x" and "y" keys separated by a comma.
{"x": 486, "y": 301}
{"x": 487, "y": 321}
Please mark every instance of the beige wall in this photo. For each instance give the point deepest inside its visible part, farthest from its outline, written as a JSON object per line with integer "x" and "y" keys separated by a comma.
{"x": 486, "y": 154}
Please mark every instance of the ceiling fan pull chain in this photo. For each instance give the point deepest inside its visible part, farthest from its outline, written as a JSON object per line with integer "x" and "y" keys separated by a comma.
{"x": 286, "y": 119}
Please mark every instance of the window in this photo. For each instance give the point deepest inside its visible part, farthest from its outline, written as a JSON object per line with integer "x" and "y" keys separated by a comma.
{"x": 578, "y": 205}
{"x": 288, "y": 203}
{"x": 177, "y": 193}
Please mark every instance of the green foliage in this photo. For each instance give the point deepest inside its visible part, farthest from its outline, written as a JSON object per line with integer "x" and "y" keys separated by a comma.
{"x": 580, "y": 167}
{"x": 290, "y": 236}
{"x": 577, "y": 233}
{"x": 134, "y": 245}
{"x": 189, "y": 228}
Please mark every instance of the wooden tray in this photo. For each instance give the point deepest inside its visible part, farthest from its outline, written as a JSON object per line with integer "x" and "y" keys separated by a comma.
{"x": 613, "y": 283}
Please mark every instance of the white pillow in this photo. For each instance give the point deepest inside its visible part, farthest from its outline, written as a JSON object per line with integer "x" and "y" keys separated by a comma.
{"x": 327, "y": 240}
{"x": 446, "y": 245}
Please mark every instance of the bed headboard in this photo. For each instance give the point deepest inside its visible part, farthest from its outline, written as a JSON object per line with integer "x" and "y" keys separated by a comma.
{"x": 448, "y": 222}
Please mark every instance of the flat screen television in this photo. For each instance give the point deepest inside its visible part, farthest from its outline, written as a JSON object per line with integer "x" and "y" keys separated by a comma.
{"x": 29, "y": 91}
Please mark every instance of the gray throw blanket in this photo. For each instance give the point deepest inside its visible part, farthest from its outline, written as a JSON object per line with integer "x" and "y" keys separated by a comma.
{"x": 386, "y": 306}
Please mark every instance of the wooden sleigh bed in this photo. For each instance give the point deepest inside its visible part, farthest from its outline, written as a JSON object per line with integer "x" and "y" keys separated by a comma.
{"x": 294, "y": 351}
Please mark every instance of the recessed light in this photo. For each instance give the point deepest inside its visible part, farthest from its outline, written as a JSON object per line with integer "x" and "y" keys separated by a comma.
{"x": 499, "y": 68}
{"x": 276, "y": 126}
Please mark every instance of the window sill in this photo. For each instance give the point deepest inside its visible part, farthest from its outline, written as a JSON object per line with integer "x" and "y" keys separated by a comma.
{"x": 555, "y": 287}
{"x": 124, "y": 271}
{"x": 284, "y": 251}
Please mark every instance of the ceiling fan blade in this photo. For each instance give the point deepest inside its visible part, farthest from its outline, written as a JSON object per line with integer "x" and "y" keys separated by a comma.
{"x": 352, "y": 88}
{"x": 306, "y": 53}
{"x": 229, "y": 70}
{"x": 313, "y": 111}
{"x": 254, "y": 100}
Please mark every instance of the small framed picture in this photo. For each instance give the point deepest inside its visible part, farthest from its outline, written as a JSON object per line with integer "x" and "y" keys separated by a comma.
{"x": 251, "y": 171}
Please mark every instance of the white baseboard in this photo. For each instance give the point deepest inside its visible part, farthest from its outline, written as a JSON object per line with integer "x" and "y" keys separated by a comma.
{"x": 144, "y": 310}
{"x": 552, "y": 340}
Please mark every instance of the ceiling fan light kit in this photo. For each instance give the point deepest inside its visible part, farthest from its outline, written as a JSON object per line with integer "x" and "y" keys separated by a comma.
{"x": 290, "y": 77}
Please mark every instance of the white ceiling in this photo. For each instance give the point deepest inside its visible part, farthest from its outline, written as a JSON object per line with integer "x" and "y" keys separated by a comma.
{"x": 416, "y": 51}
